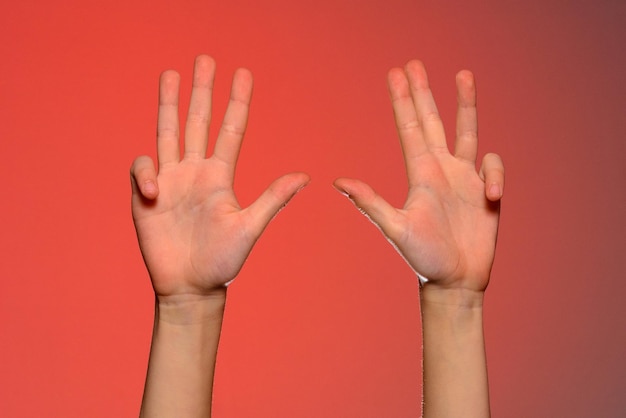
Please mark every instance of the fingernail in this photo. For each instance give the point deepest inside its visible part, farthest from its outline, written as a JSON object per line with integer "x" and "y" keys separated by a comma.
{"x": 342, "y": 191}
{"x": 299, "y": 189}
{"x": 149, "y": 188}
{"x": 494, "y": 190}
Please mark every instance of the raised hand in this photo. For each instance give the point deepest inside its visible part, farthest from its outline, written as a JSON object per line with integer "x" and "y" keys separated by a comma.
{"x": 447, "y": 228}
{"x": 193, "y": 234}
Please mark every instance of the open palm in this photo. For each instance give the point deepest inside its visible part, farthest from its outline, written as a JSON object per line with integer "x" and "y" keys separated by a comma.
{"x": 447, "y": 228}
{"x": 193, "y": 234}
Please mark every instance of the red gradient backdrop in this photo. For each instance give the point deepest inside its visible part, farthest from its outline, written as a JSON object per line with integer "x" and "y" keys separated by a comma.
{"x": 324, "y": 319}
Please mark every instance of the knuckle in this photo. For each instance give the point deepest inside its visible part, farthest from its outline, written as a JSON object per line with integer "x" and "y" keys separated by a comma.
{"x": 409, "y": 125}
{"x": 142, "y": 167}
{"x": 135, "y": 164}
{"x": 233, "y": 129}
{"x": 469, "y": 136}
{"x": 199, "y": 118}
{"x": 431, "y": 117}
{"x": 167, "y": 132}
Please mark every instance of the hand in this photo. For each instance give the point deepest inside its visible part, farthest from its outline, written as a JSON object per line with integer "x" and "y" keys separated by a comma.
{"x": 447, "y": 228}
{"x": 193, "y": 234}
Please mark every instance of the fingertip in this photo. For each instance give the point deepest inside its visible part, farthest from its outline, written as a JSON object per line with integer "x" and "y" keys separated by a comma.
{"x": 494, "y": 192}
{"x": 355, "y": 190}
{"x": 295, "y": 178}
{"x": 143, "y": 177}
{"x": 149, "y": 189}
{"x": 466, "y": 88}
{"x": 416, "y": 72}
{"x": 344, "y": 186}
{"x": 242, "y": 86}
{"x": 397, "y": 84}
{"x": 337, "y": 185}
{"x": 492, "y": 171}
{"x": 304, "y": 177}
{"x": 244, "y": 74}
{"x": 205, "y": 60}
{"x": 395, "y": 75}
{"x": 170, "y": 76}
{"x": 300, "y": 180}
{"x": 414, "y": 65}
{"x": 374, "y": 207}
{"x": 274, "y": 199}
{"x": 287, "y": 186}
{"x": 204, "y": 71}
{"x": 465, "y": 76}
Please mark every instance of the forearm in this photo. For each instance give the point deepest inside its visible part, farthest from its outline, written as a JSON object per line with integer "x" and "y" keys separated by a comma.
{"x": 182, "y": 357}
{"x": 455, "y": 369}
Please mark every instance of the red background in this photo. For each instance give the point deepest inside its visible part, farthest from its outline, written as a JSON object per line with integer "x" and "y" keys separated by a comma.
{"x": 323, "y": 320}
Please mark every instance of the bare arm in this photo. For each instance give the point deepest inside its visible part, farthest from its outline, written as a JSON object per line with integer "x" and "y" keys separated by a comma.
{"x": 446, "y": 231}
{"x": 194, "y": 237}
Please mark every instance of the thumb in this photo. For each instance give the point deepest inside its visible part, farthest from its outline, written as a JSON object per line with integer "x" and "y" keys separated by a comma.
{"x": 370, "y": 204}
{"x": 492, "y": 173}
{"x": 143, "y": 178}
{"x": 274, "y": 199}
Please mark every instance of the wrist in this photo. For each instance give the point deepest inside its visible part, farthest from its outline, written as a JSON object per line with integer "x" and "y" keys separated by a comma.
{"x": 451, "y": 298}
{"x": 185, "y": 340}
{"x": 454, "y": 363}
{"x": 190, "y": 309}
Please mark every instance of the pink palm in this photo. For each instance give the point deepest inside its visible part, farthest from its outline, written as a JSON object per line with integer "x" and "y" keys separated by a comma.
{"x": 447, "y": 228}
{"x": 193, "y": 234}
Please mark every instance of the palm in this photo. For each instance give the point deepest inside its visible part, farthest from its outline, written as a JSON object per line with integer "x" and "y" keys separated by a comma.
{"x": 447, "y": 228}
{"x": 194, "y": 230}
{"x": 193, "y": 234}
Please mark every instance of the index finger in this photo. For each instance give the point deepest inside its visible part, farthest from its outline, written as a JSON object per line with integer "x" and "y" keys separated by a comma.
{"x": 427, "y": 113}
{"x": 167, "y": 121}
{"x": 235, "y": 121}
{"x": 466, "y": 144}
{"x": 407, "y": 124}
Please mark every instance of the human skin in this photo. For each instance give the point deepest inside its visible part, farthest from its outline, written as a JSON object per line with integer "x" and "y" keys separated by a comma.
{"x": 194, "y": 237}
{"x": 446, "y": 231}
